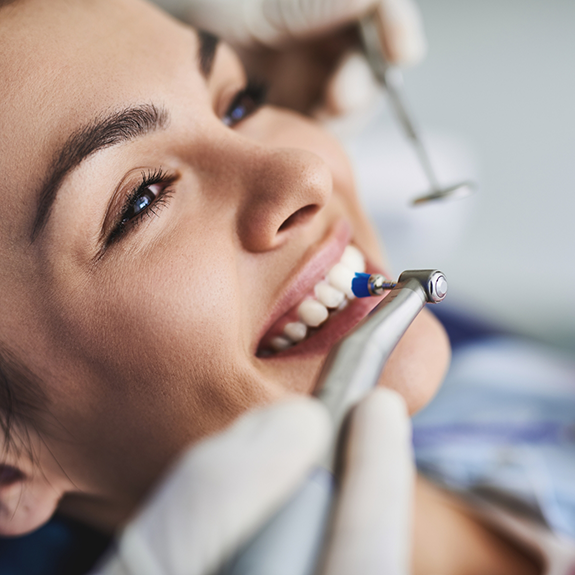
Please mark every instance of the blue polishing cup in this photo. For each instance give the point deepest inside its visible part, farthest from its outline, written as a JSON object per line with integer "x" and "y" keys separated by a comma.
{"x": 359, "y": 285}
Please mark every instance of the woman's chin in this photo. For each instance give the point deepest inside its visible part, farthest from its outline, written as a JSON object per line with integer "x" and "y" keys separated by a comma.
{"x": 419, "y": 363}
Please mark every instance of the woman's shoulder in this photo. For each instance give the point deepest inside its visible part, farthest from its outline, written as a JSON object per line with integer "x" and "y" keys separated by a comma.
{"x": 555, "y": 552}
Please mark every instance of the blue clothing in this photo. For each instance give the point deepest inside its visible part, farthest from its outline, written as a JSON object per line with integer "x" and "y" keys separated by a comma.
{"x": 62, "y": 547}
{"x": 503, "y": 426}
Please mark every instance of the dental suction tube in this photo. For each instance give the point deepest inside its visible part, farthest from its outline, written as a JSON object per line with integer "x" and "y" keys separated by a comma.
{"x": 291, "y": 542}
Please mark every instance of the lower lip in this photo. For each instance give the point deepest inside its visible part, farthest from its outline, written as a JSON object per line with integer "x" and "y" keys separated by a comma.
{"x": 336, "y": 327}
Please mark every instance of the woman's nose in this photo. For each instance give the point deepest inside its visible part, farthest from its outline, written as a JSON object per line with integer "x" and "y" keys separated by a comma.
{"x": 283, "y": 190}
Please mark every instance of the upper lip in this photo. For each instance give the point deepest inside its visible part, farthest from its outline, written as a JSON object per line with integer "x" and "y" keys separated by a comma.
{"x": 310, "y": 271}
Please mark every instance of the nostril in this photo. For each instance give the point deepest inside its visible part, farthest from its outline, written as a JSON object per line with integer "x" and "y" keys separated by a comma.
{"x": 299, "y": 217}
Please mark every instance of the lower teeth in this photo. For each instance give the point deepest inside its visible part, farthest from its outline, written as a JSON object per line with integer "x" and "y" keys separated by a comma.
{"x": 280, "y": 343}
{"x": 296, "y": 332}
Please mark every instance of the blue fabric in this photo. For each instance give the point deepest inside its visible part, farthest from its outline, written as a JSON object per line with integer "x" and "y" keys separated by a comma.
{"x": 62, "y": 547}
{"x": 503, "y": 423}
{"x": 462, "y": 327}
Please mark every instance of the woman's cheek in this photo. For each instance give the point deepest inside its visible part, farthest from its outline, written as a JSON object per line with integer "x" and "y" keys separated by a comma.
{"x": 419, "y": 363}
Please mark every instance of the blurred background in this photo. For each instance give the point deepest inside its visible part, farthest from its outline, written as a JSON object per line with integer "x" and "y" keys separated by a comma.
{"x": 495, "y": 101}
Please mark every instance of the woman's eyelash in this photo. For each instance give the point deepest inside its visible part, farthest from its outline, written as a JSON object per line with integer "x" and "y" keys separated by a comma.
{"x": 145, "y": 199}
{"x": 246, "y": 102}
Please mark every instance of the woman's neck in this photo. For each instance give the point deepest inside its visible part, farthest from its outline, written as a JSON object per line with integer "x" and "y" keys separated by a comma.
{"x": 447, "y": 539}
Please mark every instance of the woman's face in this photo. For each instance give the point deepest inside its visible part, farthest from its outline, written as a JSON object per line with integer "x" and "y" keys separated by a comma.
{"x": 157, "y": 231}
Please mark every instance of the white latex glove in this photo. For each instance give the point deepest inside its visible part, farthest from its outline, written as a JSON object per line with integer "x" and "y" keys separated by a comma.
{"x": 273, "y": 23}
{"x": 226, "y": 487}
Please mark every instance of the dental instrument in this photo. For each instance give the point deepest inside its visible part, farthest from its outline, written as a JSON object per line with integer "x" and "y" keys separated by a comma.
{"x": 365, "y": 285}
{"x": 291, "y": 542}
{"x": 392, "y": 80}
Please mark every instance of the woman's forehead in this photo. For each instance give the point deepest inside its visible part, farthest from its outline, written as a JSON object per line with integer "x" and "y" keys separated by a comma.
{"x": 63, "y": 65}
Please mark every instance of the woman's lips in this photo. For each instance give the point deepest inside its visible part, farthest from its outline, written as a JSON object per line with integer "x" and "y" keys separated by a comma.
{"x": 337, "y": 260}
{"x": 309, "y": 273}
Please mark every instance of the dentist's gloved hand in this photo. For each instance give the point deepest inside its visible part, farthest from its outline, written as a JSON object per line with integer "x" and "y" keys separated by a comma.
{"x": 226, "y": 487}
{"x": 273, "y": 22}
{"x": 310, "y": 44}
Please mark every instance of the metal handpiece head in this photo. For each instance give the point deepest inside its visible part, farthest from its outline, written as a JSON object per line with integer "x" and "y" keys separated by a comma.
{"x": 433, "y": 282}
{"x": 366, "y": 285}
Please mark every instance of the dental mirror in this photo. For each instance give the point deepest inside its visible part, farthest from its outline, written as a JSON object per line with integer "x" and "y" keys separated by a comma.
{"x": 392, "y": 80}
{"x": 455, "y": 192}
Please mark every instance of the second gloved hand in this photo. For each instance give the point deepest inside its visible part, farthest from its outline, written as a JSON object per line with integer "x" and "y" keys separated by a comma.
{"x": 227, "y": 486}
{"x": 273, "y": 22}
{"x": 306, "y": 49}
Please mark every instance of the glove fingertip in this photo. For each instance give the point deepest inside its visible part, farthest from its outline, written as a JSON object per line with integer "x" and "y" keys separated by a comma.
{"x": 386, "y": 405}
{"x": 352, "y": 87}
{"x": 403, "y": 37}
{"x": 381, "y": 423}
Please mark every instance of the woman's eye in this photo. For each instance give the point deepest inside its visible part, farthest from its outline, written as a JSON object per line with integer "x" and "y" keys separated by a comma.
{"x": 145, "y": 200}
{"x": 141, "y": 202}
{"x": 245, "y": 103}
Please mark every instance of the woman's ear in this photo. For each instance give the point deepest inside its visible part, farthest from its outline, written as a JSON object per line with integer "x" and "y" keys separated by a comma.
{"x": 28, "y": 498}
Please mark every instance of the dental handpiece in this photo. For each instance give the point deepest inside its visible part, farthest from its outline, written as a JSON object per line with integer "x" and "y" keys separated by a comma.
{"x": 291, "y": 542}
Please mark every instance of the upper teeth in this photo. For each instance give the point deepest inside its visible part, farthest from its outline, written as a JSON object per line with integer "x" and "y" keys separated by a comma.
{"x": 340, "y": 278}
{"x": 328, "y": 295}
{"x": 332, "y": 293}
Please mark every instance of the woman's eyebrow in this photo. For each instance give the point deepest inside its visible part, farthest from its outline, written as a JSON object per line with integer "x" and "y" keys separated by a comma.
{"x": 104, "y": 132}
{"x": 108, "y": 131}
{"x": 207, "y": 51}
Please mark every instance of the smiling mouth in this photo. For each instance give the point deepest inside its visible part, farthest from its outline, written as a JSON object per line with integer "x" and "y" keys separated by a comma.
{"x": 327, "y": 299}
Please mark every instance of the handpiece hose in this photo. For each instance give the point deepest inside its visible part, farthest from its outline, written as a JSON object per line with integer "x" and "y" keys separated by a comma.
{"x": 291, "y": 542}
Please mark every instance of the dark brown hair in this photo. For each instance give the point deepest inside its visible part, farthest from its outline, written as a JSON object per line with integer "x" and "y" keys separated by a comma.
{"x": 22, "y": 402}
